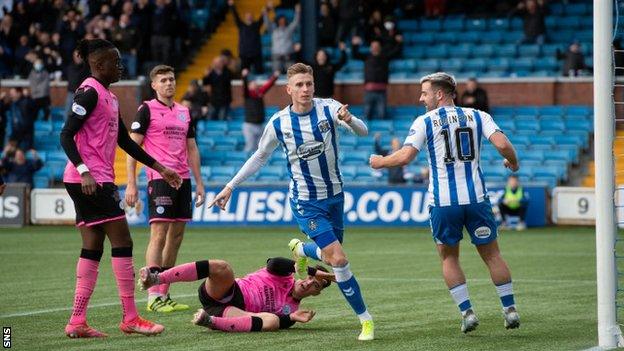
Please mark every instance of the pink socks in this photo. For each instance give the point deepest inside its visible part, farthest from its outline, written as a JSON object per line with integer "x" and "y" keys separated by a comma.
{"x": 86, "y": 277}
{"x": 124, "y": 274}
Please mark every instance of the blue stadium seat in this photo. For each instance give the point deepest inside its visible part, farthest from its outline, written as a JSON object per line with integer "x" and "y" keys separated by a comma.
{"x": 222, "y": 174}
{"x": 447, "y": 37}
{"x": 551, "y": 22}
{"x": 492, "y": 37}
{"x": 206, "y": 172}
{"x": 541, "y": 141}
{"x": 551, "y": 127}
{"x": 55, "y": 156}
{"x": 578, "y": 110}
{"x": 552, "y": 110}
{"x": 484, "y": 50}
{"x": 415, "y": 52}
{"x": 498, "y": 24}
{"x": 516, "y": 24}
{"x": 215, "y": 127}
{"x": 569, "y": 22}
{"x": 365, "y": 143}
{"x": 506, "y": 50}
{"x": 461, "y": 51}
{"x": 527, "y": 110}
{"x": 519, "y": 139}
{"x": 348, "y": 172}
{"x": 546, "y": 63}
{"x": 277, "y": 158}
{"x": 476, "y": 24}
{"x": 585, "y": 36}
{"x": 507, "y": 125}
{"x": 564, "y": 155}
{"x": 401, "y": 111}
{"x": 452, "y": 65}
{"x": 523, "y": 64}
{"x": 235, "y": 158}
{"x": 224, "y": 143}
{"x": 549, "y": 181}
{"x": 453, "y": 24}
{"x": 430, "y": 25}
{"x": 407, "y": 25}
{"x": 471, "y": 37}
{"x": 380, "y": 126}
{"x": 43, "y": 126}
{"x": 498, "y": 65}
{"x": 270, "y": 173}
{"x": 212, "y": 158}
{"x": 529, "y": 50}
{"x": 569, "y": 140}
{"x": 513, "y": 37}
{"x": 362, "y": 172}
{"x": 439, "y": 51}
{"x": 536, "y": 155}
{"x": 429, "y": 65}
{"x": 550, "y": 50}
{"x": 556, "y": 8}
{"x": 578, "y": 125}
{"x": 356, "y": 157}
{"x": 41, "y": 181}
{"x": 577, "y": 9}
{"x": 476, "y": 64}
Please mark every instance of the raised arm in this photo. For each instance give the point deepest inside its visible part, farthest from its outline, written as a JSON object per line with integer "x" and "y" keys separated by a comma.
{"x": 345, "y": 119}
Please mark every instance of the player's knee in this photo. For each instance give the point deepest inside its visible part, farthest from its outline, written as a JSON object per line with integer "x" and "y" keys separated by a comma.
{"x": 220, "y": 268}
{"x": 337, "y": 260}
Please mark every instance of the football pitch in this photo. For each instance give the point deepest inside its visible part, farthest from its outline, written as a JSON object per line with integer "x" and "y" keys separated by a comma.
{"x": 398, "y": 270}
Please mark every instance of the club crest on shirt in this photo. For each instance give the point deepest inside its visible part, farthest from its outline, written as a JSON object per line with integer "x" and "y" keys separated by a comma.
{"x": 312, "y": 225}
{"x": 286, "y": 310}
{"x": 181, "y": 117}
{"x": 411, "y": 132}
{"x": 323, "y": 126}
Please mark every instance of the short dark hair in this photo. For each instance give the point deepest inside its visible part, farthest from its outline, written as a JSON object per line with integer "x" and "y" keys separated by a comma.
{"x": 88, "y": 47}
{"x": 441, "y": 81}
{"x": 160, "y": 69}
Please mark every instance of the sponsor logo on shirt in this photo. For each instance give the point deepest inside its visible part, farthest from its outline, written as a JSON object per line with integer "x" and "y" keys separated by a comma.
{"x": 135, "y": 125}
{"x": 312, "y": 225}
{"x": 78, "y": 109}
{"x": 483, "y": 232}
{"x": 160, "y": 210}
{"x": 287, "y": 135}
{"x": 310, "y": 150}
{"x": 411, "y": 132}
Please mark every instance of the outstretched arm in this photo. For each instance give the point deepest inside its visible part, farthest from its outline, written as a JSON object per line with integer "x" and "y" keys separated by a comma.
{"x": 399, "y": 158}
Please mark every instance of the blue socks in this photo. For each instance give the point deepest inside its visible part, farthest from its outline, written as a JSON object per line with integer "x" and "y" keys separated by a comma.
{"x": 351, "y": 291}
{"x": 505, "y": 292}
{"x": 312, "y": 250}
{"x": 461, "y": 297}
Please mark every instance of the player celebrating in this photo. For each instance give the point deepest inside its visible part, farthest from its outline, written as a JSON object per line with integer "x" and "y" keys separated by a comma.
{"x": 306, "y": 130}
{"x": 265, "y": 300}
{"x": 164, "y": 128}
{"x": 457, "y": 193}
{"x": 89, "y": 137}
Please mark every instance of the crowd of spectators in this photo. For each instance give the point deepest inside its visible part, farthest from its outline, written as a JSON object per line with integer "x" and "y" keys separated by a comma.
{"x": 48, "y": 31}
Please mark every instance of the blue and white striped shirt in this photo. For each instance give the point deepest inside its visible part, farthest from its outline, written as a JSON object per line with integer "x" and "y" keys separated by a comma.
{"x": 452, "y": 136}
{"x": 310, "y": 143}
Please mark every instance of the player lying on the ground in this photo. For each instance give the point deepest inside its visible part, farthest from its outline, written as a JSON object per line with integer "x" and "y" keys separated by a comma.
{"x": 265, "y": 300}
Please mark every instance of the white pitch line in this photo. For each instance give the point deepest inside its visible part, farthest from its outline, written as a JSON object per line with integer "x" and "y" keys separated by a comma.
{"x": 427, "y": 280}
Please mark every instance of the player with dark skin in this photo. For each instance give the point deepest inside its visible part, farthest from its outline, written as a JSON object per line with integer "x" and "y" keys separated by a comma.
{"x": 107, "y": 68}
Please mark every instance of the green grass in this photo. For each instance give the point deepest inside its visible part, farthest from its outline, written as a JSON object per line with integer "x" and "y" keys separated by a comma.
{"x": 398, "y": 270}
